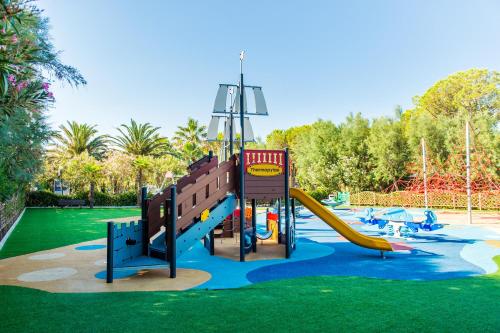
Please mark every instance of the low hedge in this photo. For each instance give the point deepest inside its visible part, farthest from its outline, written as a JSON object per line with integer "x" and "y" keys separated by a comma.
{"x": 49, "y": 199}
{"x": 318, "y": 194}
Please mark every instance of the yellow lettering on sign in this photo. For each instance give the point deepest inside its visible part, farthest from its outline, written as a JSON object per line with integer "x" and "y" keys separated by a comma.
{"x": 264, "y": 170}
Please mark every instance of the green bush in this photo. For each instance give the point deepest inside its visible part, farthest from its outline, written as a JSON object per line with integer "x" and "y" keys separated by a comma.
{"x": 49, "y": 199}
{"x": 43, "y": 199}
{"x": 319, "y": 194}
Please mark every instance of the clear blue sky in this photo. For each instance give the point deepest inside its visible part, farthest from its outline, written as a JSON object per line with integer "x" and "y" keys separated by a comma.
{"x": 161, "y": 61}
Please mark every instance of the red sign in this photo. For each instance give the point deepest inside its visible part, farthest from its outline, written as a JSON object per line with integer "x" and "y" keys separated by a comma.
{"x": 264, "y": 163}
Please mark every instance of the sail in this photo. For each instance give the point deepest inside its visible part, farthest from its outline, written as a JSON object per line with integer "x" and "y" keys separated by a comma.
{"x": 260, "y": 102}
{"x": 220, "y": 99}
{"x": 213, "y": 128}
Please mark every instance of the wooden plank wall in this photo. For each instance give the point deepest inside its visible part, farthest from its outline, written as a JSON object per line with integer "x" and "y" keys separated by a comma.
{"x": 156, "y": 211}
{"x": 264, "y": 188}
{"x": 205, "y": 185}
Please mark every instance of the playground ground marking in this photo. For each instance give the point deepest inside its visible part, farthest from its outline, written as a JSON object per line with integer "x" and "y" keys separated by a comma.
{"x": 75, "y": 272}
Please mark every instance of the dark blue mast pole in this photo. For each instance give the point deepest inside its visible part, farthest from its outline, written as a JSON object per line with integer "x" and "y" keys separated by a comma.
{"x": 242, "y": 165}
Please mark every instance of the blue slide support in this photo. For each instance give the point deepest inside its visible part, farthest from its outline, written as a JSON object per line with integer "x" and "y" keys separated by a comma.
{"x": 200, "y": 229}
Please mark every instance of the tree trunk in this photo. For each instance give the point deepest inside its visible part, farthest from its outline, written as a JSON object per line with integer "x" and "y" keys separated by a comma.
{"x": 139, "y": 185}
{"x": 91, "y": 195}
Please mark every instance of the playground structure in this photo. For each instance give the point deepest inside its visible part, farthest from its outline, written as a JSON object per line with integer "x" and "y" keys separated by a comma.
{"x": 189, "y": 212}
{"x": 399, "y": 222}
{"x": 446, "y": 185}
{"x": 337, "y": 199}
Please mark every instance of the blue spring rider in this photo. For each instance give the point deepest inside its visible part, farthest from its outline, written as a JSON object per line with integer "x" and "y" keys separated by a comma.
{"x": 400, "y": 222}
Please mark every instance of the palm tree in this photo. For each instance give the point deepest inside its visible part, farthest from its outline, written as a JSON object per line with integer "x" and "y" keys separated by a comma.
{"x": 191, "y": 152}
{"x": 140, "y": 140}
{"x": 190, "y": 139}
{"x": 76, "y": 138}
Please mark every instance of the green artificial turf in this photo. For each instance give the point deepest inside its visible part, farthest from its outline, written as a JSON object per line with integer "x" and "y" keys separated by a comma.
{"x": 319, "y": 304}
{"x": 43, "y": 229}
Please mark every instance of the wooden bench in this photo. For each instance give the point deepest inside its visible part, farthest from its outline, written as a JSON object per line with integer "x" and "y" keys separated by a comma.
{"x": 71, "y": 203}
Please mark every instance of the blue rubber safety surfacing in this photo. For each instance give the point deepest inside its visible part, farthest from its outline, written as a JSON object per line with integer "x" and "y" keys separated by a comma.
{"x": 117, "y": 275}
{"x": 442, "y": 254}
{"x": 452, "y": 252}
{"x": 90, "y": 247}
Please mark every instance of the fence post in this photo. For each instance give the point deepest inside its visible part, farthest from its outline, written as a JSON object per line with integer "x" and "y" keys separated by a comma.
{"x": 480, "y": 203}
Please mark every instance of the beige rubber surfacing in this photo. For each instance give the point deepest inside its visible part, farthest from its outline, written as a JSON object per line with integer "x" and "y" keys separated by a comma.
{"x": 68, "y": 270}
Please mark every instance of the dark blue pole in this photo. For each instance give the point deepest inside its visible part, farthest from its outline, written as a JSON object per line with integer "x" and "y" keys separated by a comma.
{"x": 242, "y": 166}
{"x": 242, "y": 207}
{"x": 294, "y": 217}
{"x": 279, "y": 220}
{"x": 231, "y": 138}
{"x": 171, "y": 231}
{"x": 254, "y": 225}
{"x": 144, "y": 219}
{"x": 109, "y": 253}
{"x": 211, "y": 233}
{"x": 287, "y": 205}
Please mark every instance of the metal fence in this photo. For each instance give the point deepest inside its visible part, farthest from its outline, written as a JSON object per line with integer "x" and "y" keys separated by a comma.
{"x": 480, "y": 201}
{"x": 9, "y": 211}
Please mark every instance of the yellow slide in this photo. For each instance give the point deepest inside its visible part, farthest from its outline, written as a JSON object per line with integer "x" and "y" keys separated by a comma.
{"x": 340, "y": 226}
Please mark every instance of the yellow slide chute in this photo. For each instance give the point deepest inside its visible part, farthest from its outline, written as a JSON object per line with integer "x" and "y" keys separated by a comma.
{"x": 340, "y": 226}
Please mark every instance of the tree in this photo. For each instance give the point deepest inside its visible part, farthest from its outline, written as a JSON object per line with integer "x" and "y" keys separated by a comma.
{"x": 257, "y": 144}
{"x": 316, "y": 157}
{"x": 355, "y": 163}
{"x": 21, "y": 138}
{"x": 191, "y": 152}
{"x": 140, "y": 140}
{"x": 82, "y": 170}
{"x": 76, "y": 138}
{"x": 388, "y": 148}
{"x": 475, "y": 91}
{"x": 440, "y": 115}
{"x": 192, "y": 132}
{"x": 27, "y": 60}
{"x": 189, "y": 140}
{"x": 281, "y": 139}
{"x": 119, "y": 174}
{"x": 276, "y": 139}
{"x": 165, "y": 170}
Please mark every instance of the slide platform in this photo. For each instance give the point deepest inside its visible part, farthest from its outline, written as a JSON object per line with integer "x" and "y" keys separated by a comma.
{"x": 340, "y": 226}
